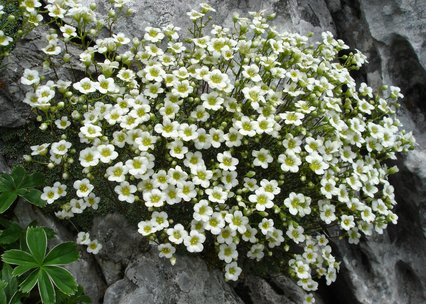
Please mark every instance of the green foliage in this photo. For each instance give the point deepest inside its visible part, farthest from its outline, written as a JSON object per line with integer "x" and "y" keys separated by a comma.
{"x": 10, "y": 26}
{"x": 41, "y": 268}
{"x": 20, "y": 184}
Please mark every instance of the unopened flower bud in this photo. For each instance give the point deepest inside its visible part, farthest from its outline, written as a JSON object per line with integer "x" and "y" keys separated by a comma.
{"x": 27, "y": 158}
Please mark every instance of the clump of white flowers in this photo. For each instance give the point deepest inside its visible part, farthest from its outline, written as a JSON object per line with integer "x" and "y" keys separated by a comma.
{"x": 251, "y": 140}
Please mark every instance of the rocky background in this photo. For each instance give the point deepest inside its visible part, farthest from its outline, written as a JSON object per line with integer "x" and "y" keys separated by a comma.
{"x": 386, "y": 269}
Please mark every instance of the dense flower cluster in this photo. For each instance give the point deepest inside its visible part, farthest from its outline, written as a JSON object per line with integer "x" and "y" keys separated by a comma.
{"x": 256, "y": 140}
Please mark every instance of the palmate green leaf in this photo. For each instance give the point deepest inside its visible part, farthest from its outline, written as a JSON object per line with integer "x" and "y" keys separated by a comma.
{"x": 11, "y": 234}
{"x": 62, "y": 279}
{"x": 33, "y": 196}
{"x": 30, "y": 281}
{"x": 21, "y": 269}
{"x": 32, "y": 180}
{"x": 12, "y": 286}
{"x": 64, "y": 253}
{"x": 6, "y": 183}
{"x": 6, "y": 200}
{"x": 18, "y": 175}
{"x": 45, "y": 288}
{"x": 78, "y": 298}
{"x": 36, "y": 240}
{"x": 3, "y": 286}
{"x": 19, "y": 257}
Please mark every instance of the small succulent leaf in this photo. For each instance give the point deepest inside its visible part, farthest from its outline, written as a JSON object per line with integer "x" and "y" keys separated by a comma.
{"x": 62, "y": 279}
{"x": 11, "y": 234}
{"x": 30, "y": 281}
{"x": 46, "y": 289}
{"x": 33, "y": 196}
{"x": 36, "y": 240}
{"x": 18, "y": 257}
{"x": 62, "y": 254}
{"x": 6, "y": 200}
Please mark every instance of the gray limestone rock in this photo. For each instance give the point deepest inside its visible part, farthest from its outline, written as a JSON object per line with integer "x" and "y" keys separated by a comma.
{"x": 301, "y": 16}
{"x": 150, "y": 279}
{"x": 121, "y": 244}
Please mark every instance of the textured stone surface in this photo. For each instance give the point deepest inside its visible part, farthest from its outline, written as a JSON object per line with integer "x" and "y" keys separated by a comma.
{"x": 149, "y": 279}
{"x": 301, "y": 16}
{"x": 388, "y": 269}
{"x": 121, "y": 244}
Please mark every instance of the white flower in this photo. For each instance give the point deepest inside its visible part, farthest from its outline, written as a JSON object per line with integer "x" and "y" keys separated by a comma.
{"x": 262, "y": 158}
{"x": 83, "y": 187}
{"x": 226, "y": 161}
{"x": 228, "y": 253}
{"x": 83, "y": 238}
{"x": 160, "y": 219}
{"x": 202, "y": 211}
{"x": 146, "y": 228}
{"x": 50, "y": 194}
{"x": 166, "y": 250}
{"x": 77, "y": 205}
{"x": 290, "y": 162}
{"x": 266, "y": 226}
{"x": 262, "y": 199}
{"x": 30, "y": 77}
{"x": 256, "y": 252}
{"x": 212, "y": 101}
{"x": 105, "y": 85}
{"x": 85, "y": 86}
{"x": 107, "y": 153}
{"x": 5, "y": 40}
{"x": 117, "y": 172}
{"x": 296, "y": 233}
{"x": 177, "y": 234}
{"x": 252, "y": 72}
{"x": 347, "y": 222}
{"x": 62, "y": 123}
{"x": 316, "y": 163}
{"x": 153, "y": 34}
{"x": 94, "y": 247}
{"x": 125, "y": 192}
{"x": 61, "y": 147}
{"x": 194, "y": 241}
{"x": 245, "y": 126}
{"x": 237, "y": 221}
{"x": 154, "y": 198}
{"x": 232, "y": 271}
{"x": 215, "y": 223}
{"x": 217, "y": 194}
{"x": 92, "y": 201}
{"x": 217, "y": 80}
{"x": 89, "y": 157}
{"x": 91, "y": 131}
{"x": 292, "y": 118}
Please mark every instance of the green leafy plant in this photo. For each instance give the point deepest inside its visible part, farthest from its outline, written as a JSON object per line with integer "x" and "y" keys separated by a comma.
{"x": 41, "y": 268}
{"x": 20, "y": 184}
{"x": 8, "y": 286}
